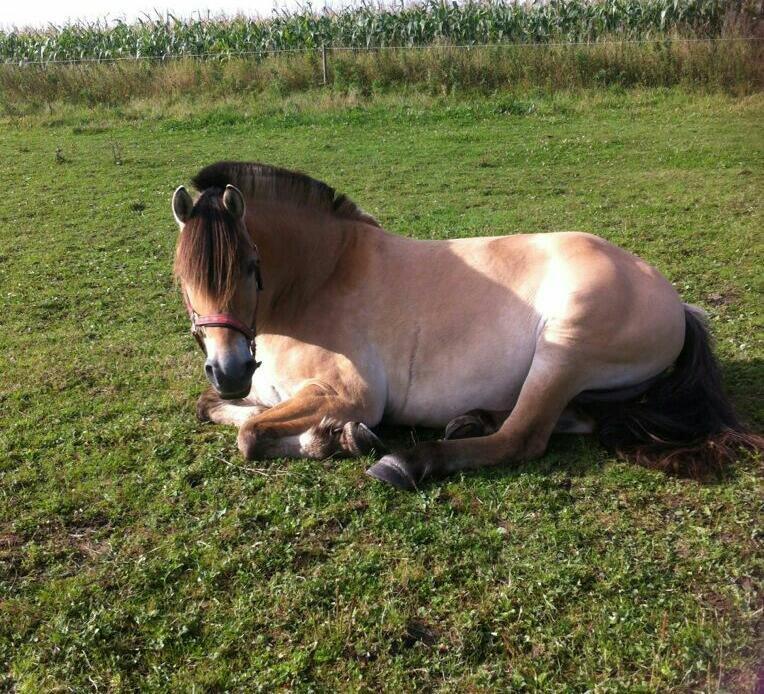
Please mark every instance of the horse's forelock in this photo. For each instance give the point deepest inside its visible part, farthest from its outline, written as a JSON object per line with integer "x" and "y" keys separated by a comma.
{"x": 210, "y": 249}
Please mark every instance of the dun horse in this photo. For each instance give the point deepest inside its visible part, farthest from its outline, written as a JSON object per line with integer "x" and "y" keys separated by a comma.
{"x": 501, "y": 340}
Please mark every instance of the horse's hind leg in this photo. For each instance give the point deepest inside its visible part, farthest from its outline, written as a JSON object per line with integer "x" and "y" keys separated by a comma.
{"x": 486, "y": 422}
{"x": 552, "y": 382}
{"x": 212, "y": 408}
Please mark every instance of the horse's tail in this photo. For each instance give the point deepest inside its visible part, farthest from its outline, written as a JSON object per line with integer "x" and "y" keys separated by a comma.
{"x": 683, "y": 423}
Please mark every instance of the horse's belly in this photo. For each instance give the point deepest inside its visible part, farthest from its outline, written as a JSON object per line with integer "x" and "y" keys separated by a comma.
{"x": 439, "y": 409}
{"x": 435, "y": 396}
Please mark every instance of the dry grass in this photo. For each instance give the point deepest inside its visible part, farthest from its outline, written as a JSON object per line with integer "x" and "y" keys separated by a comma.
{"x": 733, "y": 66}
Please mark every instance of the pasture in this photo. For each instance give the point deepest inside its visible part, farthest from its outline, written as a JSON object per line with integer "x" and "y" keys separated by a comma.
{"x": 138, "y": 550}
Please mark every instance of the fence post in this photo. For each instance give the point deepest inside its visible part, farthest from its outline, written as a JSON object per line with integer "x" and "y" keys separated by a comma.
{"x": 323, "y": 61}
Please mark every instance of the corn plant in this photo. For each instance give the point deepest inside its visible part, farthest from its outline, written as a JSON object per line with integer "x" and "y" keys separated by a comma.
{"x": 426, "y": 22}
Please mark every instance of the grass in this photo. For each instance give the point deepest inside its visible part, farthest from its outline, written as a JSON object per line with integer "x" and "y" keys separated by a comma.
{"x": 734, "y": 66}
{"x": 137, "y": 550}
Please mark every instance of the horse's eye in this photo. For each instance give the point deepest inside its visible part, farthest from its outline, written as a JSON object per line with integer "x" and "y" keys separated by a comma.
{"x": 251, "y": 268}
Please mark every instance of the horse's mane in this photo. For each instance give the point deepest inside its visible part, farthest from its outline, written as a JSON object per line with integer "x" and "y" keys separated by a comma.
{"x": 263, "y": 182}
{"x": 211, "y": 248}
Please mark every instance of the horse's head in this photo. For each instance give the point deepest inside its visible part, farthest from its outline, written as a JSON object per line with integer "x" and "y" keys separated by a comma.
{"x": 217, "y": 265}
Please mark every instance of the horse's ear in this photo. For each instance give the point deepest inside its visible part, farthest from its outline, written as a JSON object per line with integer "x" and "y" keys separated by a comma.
{"x": 233, "y": 201}
{"x": 182, "y": 204}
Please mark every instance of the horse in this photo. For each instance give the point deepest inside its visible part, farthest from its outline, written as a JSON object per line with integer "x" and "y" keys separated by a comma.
{"x": 501, "y": 340}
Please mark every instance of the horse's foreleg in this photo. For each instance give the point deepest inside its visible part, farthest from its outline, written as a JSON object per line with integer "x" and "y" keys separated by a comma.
{"x": 212, "y": 408}
{"x": 550, "y": 385}
{"x": 314, "y": 423}
{"x": 475, "y": 423}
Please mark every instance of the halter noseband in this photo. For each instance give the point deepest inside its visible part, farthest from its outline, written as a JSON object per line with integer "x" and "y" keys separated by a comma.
{"x": 225, "y": 320}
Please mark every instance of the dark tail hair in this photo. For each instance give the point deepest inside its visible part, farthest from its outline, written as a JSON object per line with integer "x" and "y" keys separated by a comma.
{"x": 683, "y": 423}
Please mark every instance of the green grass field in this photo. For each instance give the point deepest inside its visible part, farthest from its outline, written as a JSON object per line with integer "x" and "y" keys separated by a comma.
{"x": 138, "y": 550}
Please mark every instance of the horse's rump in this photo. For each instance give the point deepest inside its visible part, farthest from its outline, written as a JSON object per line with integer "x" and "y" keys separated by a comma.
{"x": 681, "y": 421}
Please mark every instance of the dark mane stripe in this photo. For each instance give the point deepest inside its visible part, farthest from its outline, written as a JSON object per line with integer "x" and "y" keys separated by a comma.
{"x": 261, "y": 181}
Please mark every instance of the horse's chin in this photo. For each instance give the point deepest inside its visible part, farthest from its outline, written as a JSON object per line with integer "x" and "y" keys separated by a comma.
{"x": 234, "y": 395}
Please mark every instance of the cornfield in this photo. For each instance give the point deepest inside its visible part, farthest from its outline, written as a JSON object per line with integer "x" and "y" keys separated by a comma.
{"x": 367, "y": 26}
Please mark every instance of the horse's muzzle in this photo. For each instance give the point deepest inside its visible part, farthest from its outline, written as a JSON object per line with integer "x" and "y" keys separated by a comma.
{"x": 230, "y": 379}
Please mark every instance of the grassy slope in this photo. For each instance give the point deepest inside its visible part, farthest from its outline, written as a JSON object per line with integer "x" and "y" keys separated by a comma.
{"x": 130, "y": 553}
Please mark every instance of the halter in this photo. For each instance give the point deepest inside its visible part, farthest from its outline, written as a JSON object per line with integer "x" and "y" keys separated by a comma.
{"x": 225, "y": 320}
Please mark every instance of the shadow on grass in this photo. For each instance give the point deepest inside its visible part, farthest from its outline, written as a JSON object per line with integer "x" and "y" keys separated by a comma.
{"x": 745, "y": 385}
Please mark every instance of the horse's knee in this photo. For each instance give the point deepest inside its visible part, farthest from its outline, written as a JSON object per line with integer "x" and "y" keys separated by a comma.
{"x": 212, "y": 408}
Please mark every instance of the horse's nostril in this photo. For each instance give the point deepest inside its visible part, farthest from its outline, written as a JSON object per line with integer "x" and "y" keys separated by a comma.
{"x": 230, "y": 377}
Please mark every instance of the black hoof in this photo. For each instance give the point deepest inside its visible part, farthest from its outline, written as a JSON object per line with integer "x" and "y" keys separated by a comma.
{"x": 393, "y": 471}
{"x": 467, "y": 426}
{"x": 360, "y": 440}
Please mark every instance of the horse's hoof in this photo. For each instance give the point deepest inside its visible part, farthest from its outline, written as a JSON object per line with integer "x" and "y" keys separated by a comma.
{"x": 358, "y": 439}
{"x": 204, "y": 405}
{"x": 392, "y": 470}
{"x": 467, "y": 426}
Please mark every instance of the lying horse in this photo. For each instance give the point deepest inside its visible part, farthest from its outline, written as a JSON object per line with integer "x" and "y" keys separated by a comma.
{"x": 502, "y": 340}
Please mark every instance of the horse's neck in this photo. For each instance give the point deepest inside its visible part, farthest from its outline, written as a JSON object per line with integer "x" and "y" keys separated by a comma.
{"x": 299, "y": 251}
